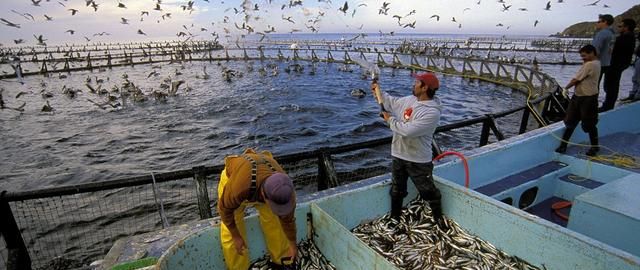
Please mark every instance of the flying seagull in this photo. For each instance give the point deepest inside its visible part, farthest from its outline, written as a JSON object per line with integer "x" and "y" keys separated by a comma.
{"x": 8, "y": 23}
{"x": 344, "y": 8}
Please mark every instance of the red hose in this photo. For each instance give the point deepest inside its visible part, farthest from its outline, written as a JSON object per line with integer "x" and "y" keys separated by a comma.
{"x": 464, "y": 163}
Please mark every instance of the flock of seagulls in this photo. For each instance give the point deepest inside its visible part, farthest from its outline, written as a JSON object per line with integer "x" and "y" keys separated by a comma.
{"x": 246, "y": 18}
{"x": 117, "y": 96}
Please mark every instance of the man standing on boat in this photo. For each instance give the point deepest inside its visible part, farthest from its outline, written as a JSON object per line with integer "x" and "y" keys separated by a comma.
{"x": 413, "y": 120}
{"x": 602, "y": 41}
{"x": 584, "y": 102}
{"x": 256, "y": 179}
{"x": 621, "y": 57}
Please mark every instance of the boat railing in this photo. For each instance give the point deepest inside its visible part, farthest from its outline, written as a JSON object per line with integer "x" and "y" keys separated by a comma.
{"x": 74, "y": 224}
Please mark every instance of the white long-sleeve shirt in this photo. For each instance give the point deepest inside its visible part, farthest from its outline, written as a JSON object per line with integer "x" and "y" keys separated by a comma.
{"x": 413, "y": 123}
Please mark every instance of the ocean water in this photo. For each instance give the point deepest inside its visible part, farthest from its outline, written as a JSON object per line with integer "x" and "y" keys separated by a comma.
{"x": 285, "y": 112}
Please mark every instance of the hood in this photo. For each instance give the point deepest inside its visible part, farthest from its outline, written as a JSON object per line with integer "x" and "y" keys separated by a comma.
{"x": 433, "y": 103}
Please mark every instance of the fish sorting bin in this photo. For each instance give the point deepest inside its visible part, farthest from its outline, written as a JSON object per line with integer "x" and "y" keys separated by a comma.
{"x": 337, "y": 211}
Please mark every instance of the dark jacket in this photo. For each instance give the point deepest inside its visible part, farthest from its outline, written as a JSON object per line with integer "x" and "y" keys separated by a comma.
{"x": 623, "y": 51}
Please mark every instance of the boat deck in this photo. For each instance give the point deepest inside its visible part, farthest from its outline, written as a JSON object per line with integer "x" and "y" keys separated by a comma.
{"x": 620, "y": 143}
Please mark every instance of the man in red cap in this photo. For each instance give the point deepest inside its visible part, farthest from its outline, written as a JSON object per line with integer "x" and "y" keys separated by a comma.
{"x": 413, "y": 120}
{"x": 256, "y": 179}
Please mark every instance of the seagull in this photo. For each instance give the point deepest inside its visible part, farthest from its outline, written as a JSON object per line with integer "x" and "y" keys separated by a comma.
{"x": 70, "y": 31}
{"x": 435, "y": 16}
{"x": 288, "y": 19}
{"x": 124, "y": 21}
{"x": 25, "y": 15}
{"x": 505, "y": 7}
{"x": 593, "y": 4}
{"x": 142, "y": 13}
{"x": 189, "y": 6}
{"x": 87, "y": 39}
{"x": 453, "y": 19}
{"x": 73, "y": 11}
{"x": 523, "y": 9}
{"x": 18, "y": 41}
{"x": 605, "y": 6}
{"x": 47, "y": 107}
{"x": 121, "y": 5}
{"x": 36, "y": 3}
{"x": 536, "y": 23}
{"x": 141, "y": 33}
{"x": 384, "y": 9}
{"x": 549, "y": 5}
{"x": 41, "y": 40}
{"x": 398, "y": 17}
{"x": 94, "y": 6}
{"x": 174, "y": 87}
{"x": 344, "y": 8}
{"x": 8, "y": 23}
{"x": 412, "y": 25}
{"x": 499, "y": 25}
{"x": 157, "y": 7}
{"x": 271, "y": 29}
{"x": 19, "y": 94}
{"x": 47, "y": 17}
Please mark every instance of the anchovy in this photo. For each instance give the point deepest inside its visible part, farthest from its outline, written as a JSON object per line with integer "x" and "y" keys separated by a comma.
{"x": 309, "y": 257}
{"x": 417, "y": 242}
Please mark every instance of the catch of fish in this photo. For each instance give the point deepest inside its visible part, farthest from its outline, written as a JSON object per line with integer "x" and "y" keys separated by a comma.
{"x": 416, "y": 242}
{"x": 309, "y": 258}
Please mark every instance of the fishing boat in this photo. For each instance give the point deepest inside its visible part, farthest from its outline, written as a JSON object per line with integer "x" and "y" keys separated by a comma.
{"x": 517, "y": 199}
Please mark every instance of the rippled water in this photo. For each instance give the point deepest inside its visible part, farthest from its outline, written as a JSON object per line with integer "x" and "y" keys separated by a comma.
{"x": 285, "y": 113}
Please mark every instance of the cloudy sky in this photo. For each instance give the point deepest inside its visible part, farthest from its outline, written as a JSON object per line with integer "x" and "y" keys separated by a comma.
{"x": 363, "y": 16}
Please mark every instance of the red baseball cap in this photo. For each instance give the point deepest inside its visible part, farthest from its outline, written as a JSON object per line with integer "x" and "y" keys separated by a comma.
{"x": 429, "y": 79}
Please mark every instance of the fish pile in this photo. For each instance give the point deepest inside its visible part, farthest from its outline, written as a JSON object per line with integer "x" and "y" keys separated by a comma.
{"x": 309, "y": 258}
{"x": 416, "y": 242}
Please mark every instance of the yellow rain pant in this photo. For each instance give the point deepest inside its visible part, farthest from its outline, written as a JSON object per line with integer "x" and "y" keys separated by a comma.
{"x": 276, "y": 241}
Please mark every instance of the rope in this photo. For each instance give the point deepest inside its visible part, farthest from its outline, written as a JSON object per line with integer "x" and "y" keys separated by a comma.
{"x": 616, "y": 158}
{"x": 156, "y": 196}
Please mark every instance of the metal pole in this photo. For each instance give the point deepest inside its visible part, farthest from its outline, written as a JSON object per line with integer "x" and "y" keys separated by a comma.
{"x": 525, "y": 120}
{"x": 204, "y": 207}
{"x": 18, "y": 258}
{"x": 435, "y": 148}
{"x": 494, "y": 128}
{"x": 484, "y": 136}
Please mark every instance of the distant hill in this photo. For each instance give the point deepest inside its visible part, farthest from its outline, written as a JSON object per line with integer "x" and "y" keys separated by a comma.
{"x": 587, "y": 29}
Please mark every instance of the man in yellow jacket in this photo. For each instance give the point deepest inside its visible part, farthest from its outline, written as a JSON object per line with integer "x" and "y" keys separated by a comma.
{"x": 256, "y": 179}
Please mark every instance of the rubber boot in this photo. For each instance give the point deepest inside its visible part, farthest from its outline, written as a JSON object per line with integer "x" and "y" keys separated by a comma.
{"x": 593, "y": 137}
{"x": 396, "y": 207}
{"x": 566, "y": 136}
{"x": 436, "y": 211}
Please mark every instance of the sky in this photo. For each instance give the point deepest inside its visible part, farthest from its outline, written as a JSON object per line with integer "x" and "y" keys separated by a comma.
{"x": 207, "y": 18}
